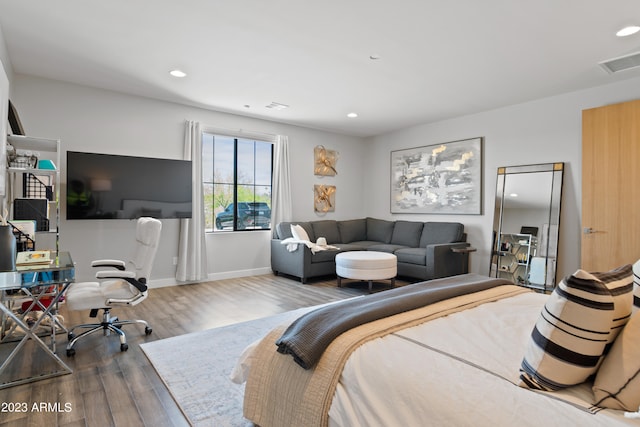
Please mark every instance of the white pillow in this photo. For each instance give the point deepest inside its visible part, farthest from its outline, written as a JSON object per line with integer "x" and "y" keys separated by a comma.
{"x": 298, "y": 232}
{"x": 617, "y": 383}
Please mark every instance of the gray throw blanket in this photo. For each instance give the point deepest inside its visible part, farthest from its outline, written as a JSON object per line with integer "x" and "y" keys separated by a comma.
{"x": 308, "y": 336}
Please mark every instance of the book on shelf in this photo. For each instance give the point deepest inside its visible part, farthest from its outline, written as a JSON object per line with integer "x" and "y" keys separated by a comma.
{"x": 33, "y": 258}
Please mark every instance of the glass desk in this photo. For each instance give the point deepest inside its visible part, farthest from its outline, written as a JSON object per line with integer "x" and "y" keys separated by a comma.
{"x": 42, "y": 286}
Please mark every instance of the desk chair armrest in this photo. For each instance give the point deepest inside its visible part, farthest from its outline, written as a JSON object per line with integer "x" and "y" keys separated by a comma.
{"x": 129, "y": 276}
{"x": 115, "y": 263}
{"x": 133, "y": 301}
{"x": 115, "y": 275}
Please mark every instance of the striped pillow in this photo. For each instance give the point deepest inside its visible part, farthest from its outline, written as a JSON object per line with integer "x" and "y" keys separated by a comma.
{"x": 570, "y": 336}
{"x": 620, "y": 283}
{"x": 636, "y": 286}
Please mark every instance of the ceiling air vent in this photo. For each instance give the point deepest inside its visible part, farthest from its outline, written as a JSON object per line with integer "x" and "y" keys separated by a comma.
{"x": 277, "y": 106}
{"x": 621, "y": 63}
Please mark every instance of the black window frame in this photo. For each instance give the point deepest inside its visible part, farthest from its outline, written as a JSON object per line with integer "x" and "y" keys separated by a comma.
{"x": 237, "y": 216}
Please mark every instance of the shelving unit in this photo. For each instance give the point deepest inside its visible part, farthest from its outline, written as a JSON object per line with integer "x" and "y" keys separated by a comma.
{"x": 513, "y": 256}
{"x": 18, "y": 178}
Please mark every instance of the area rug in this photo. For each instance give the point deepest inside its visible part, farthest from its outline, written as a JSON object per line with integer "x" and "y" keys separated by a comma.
{"x": 195, "y": 368}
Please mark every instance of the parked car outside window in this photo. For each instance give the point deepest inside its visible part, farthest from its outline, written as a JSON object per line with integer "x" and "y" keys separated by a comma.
{"x": 250, "y": 215}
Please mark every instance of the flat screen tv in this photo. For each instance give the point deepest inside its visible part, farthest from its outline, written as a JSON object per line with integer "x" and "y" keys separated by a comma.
{"x": 107, "y": 186}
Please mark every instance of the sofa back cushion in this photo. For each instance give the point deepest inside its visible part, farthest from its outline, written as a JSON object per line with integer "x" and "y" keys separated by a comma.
{"x": 379, "y": 230}
{"x": 328, "y": 229}
{"x": 353, "y": 230}
{"x": 407, "y": 233}
{"x": 283, "y": 230}
{"x": 441, "y": 232}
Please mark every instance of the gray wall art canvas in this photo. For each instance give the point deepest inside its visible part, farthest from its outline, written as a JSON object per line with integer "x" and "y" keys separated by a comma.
{"x": 438, "y": 179}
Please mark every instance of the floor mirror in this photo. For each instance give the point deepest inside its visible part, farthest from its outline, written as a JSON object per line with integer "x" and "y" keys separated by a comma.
{"x": 526, "y": 224}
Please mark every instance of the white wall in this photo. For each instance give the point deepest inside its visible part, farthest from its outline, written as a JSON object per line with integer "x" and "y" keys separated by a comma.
{"x": 88, "y": 119}
{"x": 547, "y": 130}
{"x": 4, "y": 58}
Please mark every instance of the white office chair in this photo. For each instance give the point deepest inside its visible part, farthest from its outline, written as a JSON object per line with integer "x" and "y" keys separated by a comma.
{"x": 124, "y": 286}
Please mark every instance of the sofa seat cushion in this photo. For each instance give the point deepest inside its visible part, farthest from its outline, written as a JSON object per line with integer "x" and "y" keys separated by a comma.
{"x": 362, "y": 244}
{"x": 385, "y": 248}
{"x": 417, "y": 256}
{"x": 407, "y": 233}
{"x": 355, "y": 246}
{"x": 328, "y": 229}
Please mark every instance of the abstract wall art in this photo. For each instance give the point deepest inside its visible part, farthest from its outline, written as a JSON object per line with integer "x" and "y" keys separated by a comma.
{"x": 324, "y": 198}
{"x": 324, "y": 161}
{"x": 438, "y": 179}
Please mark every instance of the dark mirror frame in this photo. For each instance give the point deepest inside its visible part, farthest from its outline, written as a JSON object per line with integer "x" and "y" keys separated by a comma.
{"x": 527, "y": 255}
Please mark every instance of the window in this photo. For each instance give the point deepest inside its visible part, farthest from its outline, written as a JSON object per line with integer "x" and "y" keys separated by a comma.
{"x": 237, "y": 183}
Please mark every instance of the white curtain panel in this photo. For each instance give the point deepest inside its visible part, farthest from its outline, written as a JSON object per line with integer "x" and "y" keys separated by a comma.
{"x": 281, "y": 204}
{"x": 192, "y": 249}
{"x": 4, "y": 105}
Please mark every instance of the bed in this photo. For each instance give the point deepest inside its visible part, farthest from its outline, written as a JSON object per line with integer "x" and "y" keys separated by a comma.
{"x": 455, "y": 361}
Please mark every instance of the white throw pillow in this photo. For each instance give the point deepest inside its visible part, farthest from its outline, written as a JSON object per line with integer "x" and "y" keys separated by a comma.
{"x": 617, "y": 383}
{"x": 298, "y": 232}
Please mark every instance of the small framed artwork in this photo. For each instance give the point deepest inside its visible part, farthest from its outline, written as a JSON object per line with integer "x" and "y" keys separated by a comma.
{"x": 324, "y": 199}
{"x": 324, "y": 161}
{"x": 438, "y": 179}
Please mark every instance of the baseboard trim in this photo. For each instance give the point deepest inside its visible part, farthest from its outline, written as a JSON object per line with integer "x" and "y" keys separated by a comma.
{"x": 162, "y": 283}
{"x": 239, "y": 273}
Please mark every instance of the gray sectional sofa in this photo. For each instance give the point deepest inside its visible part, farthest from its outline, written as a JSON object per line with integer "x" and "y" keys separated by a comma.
{"x": 424, "y": 249}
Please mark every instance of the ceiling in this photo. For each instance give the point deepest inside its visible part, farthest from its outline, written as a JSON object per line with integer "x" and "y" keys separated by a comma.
{"x": 437, "y": 59}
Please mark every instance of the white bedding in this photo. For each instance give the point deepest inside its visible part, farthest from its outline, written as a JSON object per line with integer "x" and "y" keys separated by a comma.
{"x": 409, "y": 378}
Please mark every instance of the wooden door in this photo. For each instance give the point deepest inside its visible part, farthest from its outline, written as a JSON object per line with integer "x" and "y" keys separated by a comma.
{"x": 610, "y": 186}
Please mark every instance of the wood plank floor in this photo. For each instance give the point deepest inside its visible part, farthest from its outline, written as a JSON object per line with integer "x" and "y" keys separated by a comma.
{"x": 113, "y": 388}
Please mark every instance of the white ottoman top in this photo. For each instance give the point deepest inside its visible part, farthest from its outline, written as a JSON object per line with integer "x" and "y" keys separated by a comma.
{"x": 370, "y": 260}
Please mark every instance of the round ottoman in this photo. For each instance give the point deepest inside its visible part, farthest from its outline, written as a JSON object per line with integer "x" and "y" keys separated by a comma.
{"x": 366, "y": 265}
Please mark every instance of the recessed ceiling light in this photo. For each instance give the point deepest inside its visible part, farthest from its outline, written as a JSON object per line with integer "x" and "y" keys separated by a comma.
{"x": 513, "y": 195}
{"x": 178, "y": 73}
{"x": 352, "y": 115}
{"x": 627, "y": 31}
